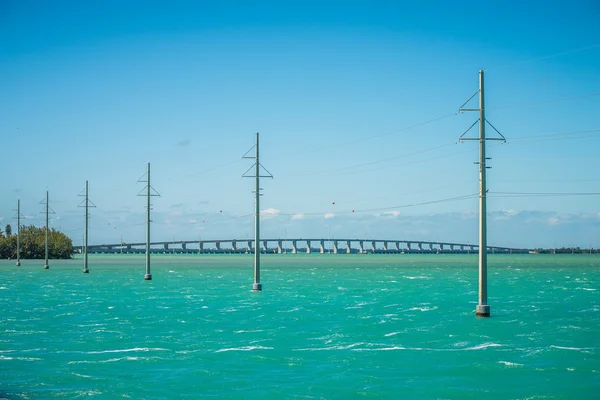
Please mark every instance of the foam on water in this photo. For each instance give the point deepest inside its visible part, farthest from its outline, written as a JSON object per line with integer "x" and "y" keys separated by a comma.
{"x": 244, "y": 348}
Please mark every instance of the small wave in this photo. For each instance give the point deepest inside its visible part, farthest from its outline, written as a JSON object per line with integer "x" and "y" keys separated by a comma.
{"x": 189, "y": 351}
{"x": 581, "y": 349}
{"x": 102, "y": 330}
{"x": 423, "y": 308}
{"x": 244, "y": 348}
{"x": 588, "y": 289}
{"x": 416, "y": 277}
{"x": 392, "y": 334}
{"x": 392, "y": 348}
{"x": 482, "y": 346}
{"x": 171, "y": 271}
{"x": 291, "y": 310}
{"x": 110, "y": 360}
{"x": 339, "y": 347}
{"x": 359, "y": 305}
{"x": 87, "y": 393}
{"x": 128, "y": 350}
{"x": 248, "y": 331}
{"x": 510, "y": 364}
{"x": 20, "y": 358}
{"x": 82, "y": 376}
{"x": 3, "y": 288}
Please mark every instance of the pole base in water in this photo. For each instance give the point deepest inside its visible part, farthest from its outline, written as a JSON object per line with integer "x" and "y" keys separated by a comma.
{"x": 257, "y": 286}
{"x": 148, "y": 277}
{"x": 86, "y": 271}
{"x": 482, "y": 310}
{"x": 18, "y": 263}
{"x": 46, "y": 266}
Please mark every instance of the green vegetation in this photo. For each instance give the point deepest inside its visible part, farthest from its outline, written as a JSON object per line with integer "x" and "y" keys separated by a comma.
{"x": 33, "y": 243}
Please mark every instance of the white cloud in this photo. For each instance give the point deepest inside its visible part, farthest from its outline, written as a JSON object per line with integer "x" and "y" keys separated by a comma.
{"x": 553, "y": 221}
{"x": 192, "y": 221}
{"x": 469, "y": 214}
{"x": 270, "y": 211}
{"x": 511, "y": 213}
{"x": 393, "y": 213}
{"x": 298, "y": 216}
{"x": 328, "y": 215}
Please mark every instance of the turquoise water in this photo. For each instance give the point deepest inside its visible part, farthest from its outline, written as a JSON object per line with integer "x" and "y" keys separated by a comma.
{"x": 324, "y": 326}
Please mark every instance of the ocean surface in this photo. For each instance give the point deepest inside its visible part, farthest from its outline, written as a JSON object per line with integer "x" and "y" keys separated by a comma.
{"x": 324, "y": 327}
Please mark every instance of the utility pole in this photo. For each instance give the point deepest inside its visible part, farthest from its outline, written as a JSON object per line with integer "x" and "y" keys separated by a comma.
{"x": 18, "y": 217}
{"x": 48, "y": 211}
{"x": 150, "y": 192}
{"x": 86, "y": 203}
{"x": 483, "y": 308}
{"x": 257, "y": 286}
{"x": 46, "y": 266}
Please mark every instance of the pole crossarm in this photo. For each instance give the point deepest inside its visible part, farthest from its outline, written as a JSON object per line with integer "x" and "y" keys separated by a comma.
{"x": 18, "y": 215}
{"x": 246, "y": 154}
{"x": 461, "y": 136}
{"x": 50, "y": 210}
{"x": 145, "y": 192}
{"x": 461, "y": 109}
{"x": 497, "y": 131}
{"x": 270, "y": 175}
{"x": 86, "y": 200}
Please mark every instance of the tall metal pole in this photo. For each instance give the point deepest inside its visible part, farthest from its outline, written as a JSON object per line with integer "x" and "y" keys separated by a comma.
{"x": 483, "y": 309}
{"x": 148, "y": 275}
{"x": 18, "y": 232}
{"x": 85, "y": 251}
{"x": 257, "y": 285}
{"x": 46, "y": 266}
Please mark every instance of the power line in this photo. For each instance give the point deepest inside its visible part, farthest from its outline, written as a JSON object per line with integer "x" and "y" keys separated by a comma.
{"x": 542, "y": 194}
{"x": 546, "y": 57}
{"x": 556, "y": 136}
{"x": 548, "y": 180}
{"x": 214, "y": 168}
{"x": 449, "y": 199}
{"x": 403, "y": 193}
{"x": 346, "y": 143}
{"x": 546, "y": 101}
{"x": 348, "y": 170}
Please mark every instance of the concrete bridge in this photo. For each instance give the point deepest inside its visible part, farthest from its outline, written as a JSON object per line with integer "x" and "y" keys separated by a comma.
{"x": 279, "y": 246}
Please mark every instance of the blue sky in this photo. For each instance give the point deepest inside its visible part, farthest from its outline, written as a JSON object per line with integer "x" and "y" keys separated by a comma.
{"x": 339, "y": 91}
